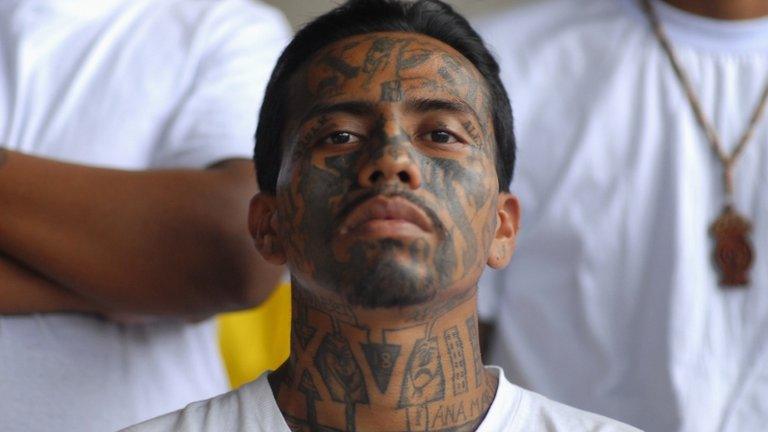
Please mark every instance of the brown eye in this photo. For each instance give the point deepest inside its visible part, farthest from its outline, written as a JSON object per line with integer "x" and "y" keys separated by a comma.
{"x": 442, "y": 137}
{"x": 340, "y": 138}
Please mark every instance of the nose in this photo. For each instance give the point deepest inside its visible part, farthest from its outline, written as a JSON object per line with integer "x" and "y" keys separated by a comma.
{"x": 392, "y": 164}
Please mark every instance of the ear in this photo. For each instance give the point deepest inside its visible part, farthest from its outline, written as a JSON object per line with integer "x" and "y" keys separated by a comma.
{"x": 262, "y": 223}
{"x": 507, "y": 225}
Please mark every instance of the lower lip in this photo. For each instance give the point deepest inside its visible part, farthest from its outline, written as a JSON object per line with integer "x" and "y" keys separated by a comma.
{"x": 387, "y": 228}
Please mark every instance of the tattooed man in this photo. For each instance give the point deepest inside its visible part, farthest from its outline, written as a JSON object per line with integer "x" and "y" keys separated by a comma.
{"x": 384, "y": 154}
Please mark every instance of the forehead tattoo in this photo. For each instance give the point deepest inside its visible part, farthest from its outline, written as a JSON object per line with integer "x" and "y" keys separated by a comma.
{"x": 390, "y": 60}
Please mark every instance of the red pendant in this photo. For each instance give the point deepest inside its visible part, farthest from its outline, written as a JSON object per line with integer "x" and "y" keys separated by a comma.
{"x": 733, "y": 251}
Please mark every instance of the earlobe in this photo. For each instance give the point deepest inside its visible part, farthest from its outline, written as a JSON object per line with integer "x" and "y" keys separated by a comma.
{"x": 507, "y": 225}
{"x": 262, "y": 223}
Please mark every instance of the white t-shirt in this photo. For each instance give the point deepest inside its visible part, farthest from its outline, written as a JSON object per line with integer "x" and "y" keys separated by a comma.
{"x": 611, "y": 302}
{"x": 134, "y": 85}
{"x": 252, "y": 408}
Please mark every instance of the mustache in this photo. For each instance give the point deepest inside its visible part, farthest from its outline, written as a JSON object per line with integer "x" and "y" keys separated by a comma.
{"x": 348, "y": 207}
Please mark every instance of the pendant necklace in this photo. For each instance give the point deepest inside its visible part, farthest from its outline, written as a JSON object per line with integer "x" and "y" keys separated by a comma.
{"x": 733, "y": 253}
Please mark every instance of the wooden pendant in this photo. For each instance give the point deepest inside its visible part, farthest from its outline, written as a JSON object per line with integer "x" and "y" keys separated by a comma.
{"x": 733, "y": 251}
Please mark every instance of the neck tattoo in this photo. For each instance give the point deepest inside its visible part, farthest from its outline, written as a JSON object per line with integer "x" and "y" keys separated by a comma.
{"x": 733, "y": 253}
{"x": 346, "y": 373}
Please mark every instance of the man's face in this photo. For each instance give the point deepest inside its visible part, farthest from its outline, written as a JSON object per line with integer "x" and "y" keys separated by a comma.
{"x": 388, "y": 191}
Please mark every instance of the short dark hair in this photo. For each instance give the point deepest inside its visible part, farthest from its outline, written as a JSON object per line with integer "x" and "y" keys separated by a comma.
{"x": 432, "y": 18}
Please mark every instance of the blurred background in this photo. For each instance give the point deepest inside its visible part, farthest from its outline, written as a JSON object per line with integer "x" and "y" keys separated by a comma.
{"x": 301, "y": 11}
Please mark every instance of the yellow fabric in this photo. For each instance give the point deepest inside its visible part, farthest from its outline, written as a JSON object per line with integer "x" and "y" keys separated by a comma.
{"x": 257, "y": 339}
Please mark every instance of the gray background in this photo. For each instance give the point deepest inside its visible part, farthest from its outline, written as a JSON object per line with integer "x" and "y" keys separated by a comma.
{"x": 300, "y": 11}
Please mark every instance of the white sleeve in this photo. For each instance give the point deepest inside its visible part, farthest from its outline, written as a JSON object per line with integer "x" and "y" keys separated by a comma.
{"x": 235, "y": 54}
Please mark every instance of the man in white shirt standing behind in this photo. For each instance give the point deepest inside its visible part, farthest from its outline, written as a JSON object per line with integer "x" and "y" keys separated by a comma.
{"x": 126, "y": 127}
{"x": 639, "y": 290}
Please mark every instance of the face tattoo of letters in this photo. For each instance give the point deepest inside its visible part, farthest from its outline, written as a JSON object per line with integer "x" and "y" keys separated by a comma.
{"x": 387, "y": 209}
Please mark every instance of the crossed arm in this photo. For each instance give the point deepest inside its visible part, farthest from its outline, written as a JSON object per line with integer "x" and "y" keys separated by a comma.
{"x": 77, "y": 238}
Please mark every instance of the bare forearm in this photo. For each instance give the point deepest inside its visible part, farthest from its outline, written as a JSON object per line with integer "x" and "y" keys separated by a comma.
{"x": 23, "y": 292}
{"x": 161, "y": 242}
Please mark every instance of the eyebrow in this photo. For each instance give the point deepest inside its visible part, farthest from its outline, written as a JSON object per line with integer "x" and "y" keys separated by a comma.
{"x": 366, "y": 108}
{"x": 422, "y": 105}
{"x": 357, "y": 108}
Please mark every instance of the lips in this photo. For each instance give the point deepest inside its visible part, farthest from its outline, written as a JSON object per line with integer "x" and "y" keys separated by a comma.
{"x": 385, "y": 214}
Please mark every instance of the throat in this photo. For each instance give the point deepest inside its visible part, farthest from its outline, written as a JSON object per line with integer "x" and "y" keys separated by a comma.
{"x": 351, "y": 372}
{"x": 724, "y": 9}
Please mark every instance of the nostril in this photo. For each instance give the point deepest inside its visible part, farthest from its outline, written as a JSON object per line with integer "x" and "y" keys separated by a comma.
{"x": 376, "y": 176}
{"x": 404, "y": 177}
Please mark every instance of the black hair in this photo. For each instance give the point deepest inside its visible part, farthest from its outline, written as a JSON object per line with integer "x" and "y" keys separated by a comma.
{"x": 432, "y": 18}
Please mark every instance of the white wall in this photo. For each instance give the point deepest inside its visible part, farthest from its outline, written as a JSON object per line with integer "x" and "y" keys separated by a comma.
{"x": 301, "y": 11}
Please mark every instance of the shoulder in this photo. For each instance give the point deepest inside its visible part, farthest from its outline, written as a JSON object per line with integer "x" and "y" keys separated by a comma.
{"x": 520, "y": 409}
{"x": 246, "y": 11}
{"x": 542, "y": 16}
{"x": 250, "y": 407}
{"x": 220, "y": 40}
{"x": 214, "y": 22}
{"x": 542, "y": 412}
{"x": 554, "y": 31}
{"x": 242, "y": 12}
